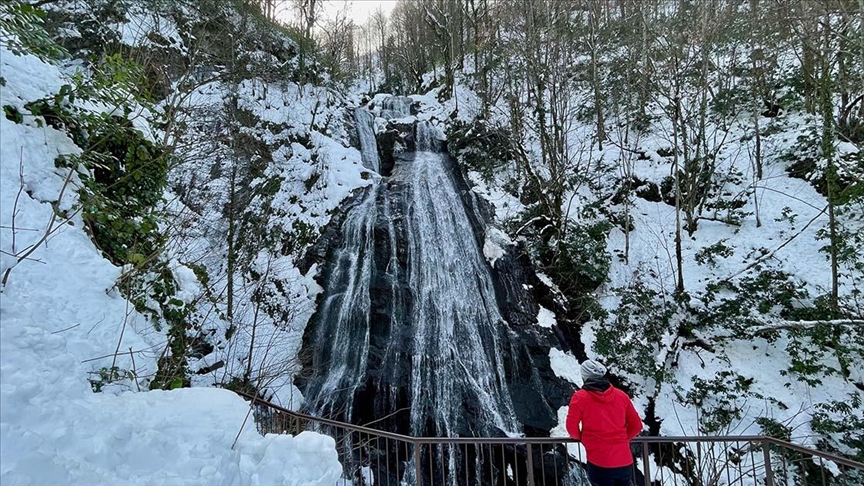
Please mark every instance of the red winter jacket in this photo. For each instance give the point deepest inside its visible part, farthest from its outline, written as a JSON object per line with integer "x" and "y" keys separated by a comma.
{"x": 608, "y": 421}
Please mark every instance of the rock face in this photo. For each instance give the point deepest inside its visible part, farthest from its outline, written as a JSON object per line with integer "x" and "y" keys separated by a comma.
{"x": 414, "y": 319}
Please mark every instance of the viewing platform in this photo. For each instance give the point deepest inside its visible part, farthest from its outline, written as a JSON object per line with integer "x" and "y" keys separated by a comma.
{"x": 370, "y": 456}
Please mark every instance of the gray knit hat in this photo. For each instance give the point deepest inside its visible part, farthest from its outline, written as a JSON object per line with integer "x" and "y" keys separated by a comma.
{"x": 592, "y": 369}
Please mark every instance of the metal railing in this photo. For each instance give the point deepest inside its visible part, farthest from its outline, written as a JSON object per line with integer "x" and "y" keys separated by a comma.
{"x": 375, "y": 457}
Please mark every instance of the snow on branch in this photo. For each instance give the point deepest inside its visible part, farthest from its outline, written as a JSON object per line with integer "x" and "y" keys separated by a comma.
{"x": 786, "y": 325}
{"x": 433, "y": 21}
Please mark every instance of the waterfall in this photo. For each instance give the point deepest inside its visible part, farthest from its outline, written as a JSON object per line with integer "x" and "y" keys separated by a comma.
{"x": 435, "y": 313}
{"x": 396, "y": 107}
{"x": 368, "y": 145}
{"x": 458, "y": 331}
{"x": 424, "y": 137}
{"x": 347, "y": 305}
{"x": 409, "y": 333}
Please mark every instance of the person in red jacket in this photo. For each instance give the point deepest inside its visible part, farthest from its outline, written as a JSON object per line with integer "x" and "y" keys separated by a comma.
{"x": 608, "y": 422}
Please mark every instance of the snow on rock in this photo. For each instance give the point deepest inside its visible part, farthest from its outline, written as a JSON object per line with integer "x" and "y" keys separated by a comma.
{"x": 576, "y": 450}
{"x": 565, "y": 365}
{"x": 546, "y": 318}
{"x": 495, "y": 244}
{"x": 142, "y": 27}
{"x": 506, "y": 205}
{"x": 547, "y": 281}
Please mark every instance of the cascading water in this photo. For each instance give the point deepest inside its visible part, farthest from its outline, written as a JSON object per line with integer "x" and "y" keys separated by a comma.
{"x": 368, "y": 145}
{"x": 454, "y": 350}
{"x": 409, "y": 323}
{"x": 347, "y": 306}
{"x": 396, "y": 107}
{"x": 424, "y": 139}
{"x": 458, "y": 329}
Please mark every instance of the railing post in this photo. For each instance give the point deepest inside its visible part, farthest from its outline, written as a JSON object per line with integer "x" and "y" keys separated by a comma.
{"x": 769, "y": 473}
{"x": 417, "y": 470}
{"x": 646, "y": 468}
{"x": 530, "y": 464}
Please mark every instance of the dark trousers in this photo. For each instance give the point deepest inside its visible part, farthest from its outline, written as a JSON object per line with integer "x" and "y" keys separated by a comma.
{"x": 610, "y": 476}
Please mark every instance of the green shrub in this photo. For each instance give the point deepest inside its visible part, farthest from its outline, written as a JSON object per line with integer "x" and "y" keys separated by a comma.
{"x": 580, "y": 262}
{"x": 298, "y": 238}
{"x": 840, "y": 424}
{"x": 755, "y": 304}
{"x": 739, "y": 307}
{"x": 106, "y": 375}
{"x": 772, "y": 428}
{"x": 23, "y": 32}
{"x": 719, "y": 400}
{"x": 709, "y": 254}
{"x": 806, "y": 161}
{"x": 154, "y": 294}
{"x": 122, "y": 187}
{"x": 12, "y": 114}
{"x": 124, "y": 173}
{"x": 123, "y": 177}
{"x": 636, "y": 337}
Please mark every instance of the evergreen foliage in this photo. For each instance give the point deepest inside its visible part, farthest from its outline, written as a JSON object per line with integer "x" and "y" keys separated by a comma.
{"x": 24, "y": 31}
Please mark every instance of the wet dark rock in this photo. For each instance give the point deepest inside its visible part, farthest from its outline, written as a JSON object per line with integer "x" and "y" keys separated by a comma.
{"x": 396, "y": 138}
{"x": 514, "y": 282}
{"x": 415, "y": 108}
{"x": 537, "y": 393}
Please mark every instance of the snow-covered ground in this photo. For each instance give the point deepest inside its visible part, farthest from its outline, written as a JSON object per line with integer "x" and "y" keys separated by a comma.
{"x": 794, "y": 247}
{"x": 63, "y": 325}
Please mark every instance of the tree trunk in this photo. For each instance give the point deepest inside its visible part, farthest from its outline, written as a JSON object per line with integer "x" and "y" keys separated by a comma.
{"x": 827, "y": 108}
{"x": 595, "y": 79}
{"x": 679, "y": 260}
{"x": 232, "y": 256}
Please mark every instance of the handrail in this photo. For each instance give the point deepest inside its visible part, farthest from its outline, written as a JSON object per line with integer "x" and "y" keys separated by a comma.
{"x": 815, "y": 452}
{"x": 554, "y": 440}
{"x": 336, "y": 423}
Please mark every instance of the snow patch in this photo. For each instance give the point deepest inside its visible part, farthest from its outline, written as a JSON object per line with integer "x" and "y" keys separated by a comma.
{"x": 494, "y": 246}
{"x": 66, "y": 331}
{"x": 565, "y": 365}
{"x": 546, "y": 318}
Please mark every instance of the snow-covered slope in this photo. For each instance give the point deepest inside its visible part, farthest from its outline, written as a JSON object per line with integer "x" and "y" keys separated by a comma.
{"x": 713, "y": 363}
{"x": 65, "y": 329}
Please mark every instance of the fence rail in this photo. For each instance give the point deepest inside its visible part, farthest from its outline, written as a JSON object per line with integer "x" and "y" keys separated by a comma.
{"x": 376, "y": 457}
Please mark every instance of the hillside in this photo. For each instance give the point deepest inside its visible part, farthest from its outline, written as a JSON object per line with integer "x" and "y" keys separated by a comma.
{"x": 112, "y": 252}
{"x": 422, "y": 224}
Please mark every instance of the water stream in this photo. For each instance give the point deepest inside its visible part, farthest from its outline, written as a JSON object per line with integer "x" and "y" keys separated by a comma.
{"x": 366, "y": 133}
{"x": 441, "y": 321}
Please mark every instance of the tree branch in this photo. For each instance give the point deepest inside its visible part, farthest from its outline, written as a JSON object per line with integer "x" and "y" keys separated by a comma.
{"x": 786, "y": 325}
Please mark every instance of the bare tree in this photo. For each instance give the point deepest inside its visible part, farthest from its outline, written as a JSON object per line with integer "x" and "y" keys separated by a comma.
{"x": 308, "y": 12}
{"x": 337, "y": 40}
